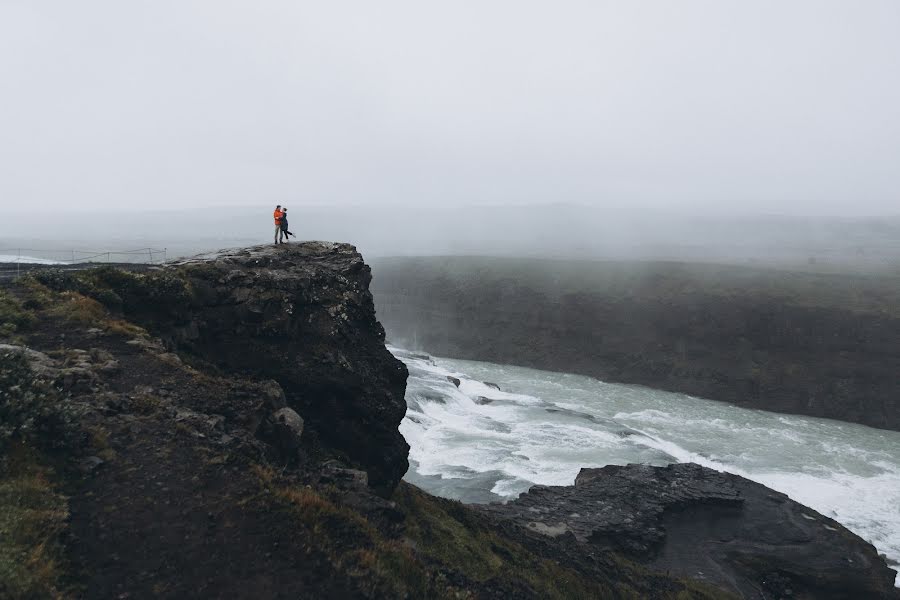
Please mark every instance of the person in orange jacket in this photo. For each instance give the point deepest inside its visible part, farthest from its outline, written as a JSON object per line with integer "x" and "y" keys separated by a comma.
{"x": 279, "y": 233}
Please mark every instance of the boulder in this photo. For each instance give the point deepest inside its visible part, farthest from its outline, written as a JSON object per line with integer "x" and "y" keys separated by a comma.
{"x": 699, "y": 523}
{"x": 290, "y": 421}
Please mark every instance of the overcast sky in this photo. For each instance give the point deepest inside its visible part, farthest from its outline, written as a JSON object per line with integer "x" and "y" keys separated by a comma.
{"x": 787, "y": 106}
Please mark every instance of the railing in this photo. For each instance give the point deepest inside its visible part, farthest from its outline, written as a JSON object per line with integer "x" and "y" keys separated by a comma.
{"x": 26, "y": 259}
{"x": 72, "y": 256}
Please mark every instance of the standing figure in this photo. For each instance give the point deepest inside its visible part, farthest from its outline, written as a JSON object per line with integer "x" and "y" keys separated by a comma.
{"x": 284, "y": 224}
{"x": 279, "y": 233}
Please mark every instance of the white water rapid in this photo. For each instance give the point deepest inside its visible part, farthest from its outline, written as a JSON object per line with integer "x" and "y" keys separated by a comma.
{"x": 478, "y": 444}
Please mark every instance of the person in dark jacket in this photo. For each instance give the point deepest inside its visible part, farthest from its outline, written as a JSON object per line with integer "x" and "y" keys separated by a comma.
{"x": 284, "y": 224}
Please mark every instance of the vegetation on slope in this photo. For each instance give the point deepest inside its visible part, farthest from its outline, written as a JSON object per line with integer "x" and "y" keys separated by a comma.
{"x": 338, "y": 539}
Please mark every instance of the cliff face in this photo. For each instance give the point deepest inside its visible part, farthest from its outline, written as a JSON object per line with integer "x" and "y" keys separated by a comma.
{"x": 127, "y": 469}
{"x": 820, "y": 345}
{"x": 198, "y": 430}
{"x": 300, "y": 314}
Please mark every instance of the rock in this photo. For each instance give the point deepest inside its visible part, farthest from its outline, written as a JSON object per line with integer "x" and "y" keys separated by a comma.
{"x": 453, "y": 380}
{"x": 491, "y": 385}
{"x": 290, "y": 419}
{"x": 483, "y": 400}
{"x": 305, "y": 318}
{"x": 89, "y": 463}
{"x": 171, "y": 358}
{"x": 77, "y": 380}
{"x": 284, "y": 430}
{"x": 147, "y": 345}
{"x": 39, "y": 362}
{"x": 333, "y": 472}
{"x": 700, "y": 523}
{"x": 99, "y": 355}
{"x": 109, "y": 367}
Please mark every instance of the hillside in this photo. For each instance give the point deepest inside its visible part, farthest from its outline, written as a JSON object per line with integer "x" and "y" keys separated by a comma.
{"x": 226, "y": 427}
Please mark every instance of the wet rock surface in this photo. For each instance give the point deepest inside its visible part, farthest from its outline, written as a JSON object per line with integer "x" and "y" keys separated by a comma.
{"x": 712, "y": 526}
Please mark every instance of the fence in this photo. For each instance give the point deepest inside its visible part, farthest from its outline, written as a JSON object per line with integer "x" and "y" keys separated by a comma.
{"x": 14, "y": 261}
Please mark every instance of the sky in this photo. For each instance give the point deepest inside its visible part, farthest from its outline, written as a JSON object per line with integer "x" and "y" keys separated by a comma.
{"x": 784, "y": 107}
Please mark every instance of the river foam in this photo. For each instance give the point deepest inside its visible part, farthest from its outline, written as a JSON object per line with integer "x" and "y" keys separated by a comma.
{"x": 478, "y": 444}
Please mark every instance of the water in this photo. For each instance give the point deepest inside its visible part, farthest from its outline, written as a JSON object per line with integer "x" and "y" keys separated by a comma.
{"x": 478, "y": 444}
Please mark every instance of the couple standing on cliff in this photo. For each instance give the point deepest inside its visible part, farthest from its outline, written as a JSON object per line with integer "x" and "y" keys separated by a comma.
{"x": 281, "y": 225}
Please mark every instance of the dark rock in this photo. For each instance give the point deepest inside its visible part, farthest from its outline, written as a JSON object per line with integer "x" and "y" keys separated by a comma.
{"x": 483, "y": 400}
{"x": 333, "y": 473}
{"x": 90, "y": 463}
{"x": 300, "y": 314}
{"x": 492, "y": 385}
{"x": 455, "y": 381}
{"x": 699, "y": 523}
{"x": 287, "y": 429}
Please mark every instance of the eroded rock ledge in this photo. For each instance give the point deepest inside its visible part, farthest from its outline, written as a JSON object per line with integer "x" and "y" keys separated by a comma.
{"x": 302, "y": 314}
{"x": 712, "y": 526}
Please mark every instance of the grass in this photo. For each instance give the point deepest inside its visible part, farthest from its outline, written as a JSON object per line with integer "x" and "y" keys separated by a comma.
{"x": 444, "y": 550}
{"x": 76, "y": 308}
{"x": 32, "y": 518}
{"x": 14, "y": 317}
{"x": 64, "y": 301}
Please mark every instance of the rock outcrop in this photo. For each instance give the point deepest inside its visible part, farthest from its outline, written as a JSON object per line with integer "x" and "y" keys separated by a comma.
{"x": 302, "y": 314}
{"x": 700, "y": 523}
{"x": 826, "y": 345}
{"x": 222, "y": 426}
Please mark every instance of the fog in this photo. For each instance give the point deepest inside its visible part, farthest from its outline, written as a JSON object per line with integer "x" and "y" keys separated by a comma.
{"x": 661, "y": 108}
{"x": 549, "y": 231}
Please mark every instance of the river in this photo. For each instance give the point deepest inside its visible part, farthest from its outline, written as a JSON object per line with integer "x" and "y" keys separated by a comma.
{"x": 476, "y": 443}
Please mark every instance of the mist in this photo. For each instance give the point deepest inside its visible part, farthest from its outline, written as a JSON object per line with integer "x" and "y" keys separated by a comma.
{"x": 690, "y": 108}
{"x": 540, "y": 231}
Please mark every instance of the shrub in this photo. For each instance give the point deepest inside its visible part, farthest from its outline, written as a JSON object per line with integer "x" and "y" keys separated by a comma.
{"x": 13, "y": 317}
{"x": 30, "y": 408}
{"x": 142, "y": 294}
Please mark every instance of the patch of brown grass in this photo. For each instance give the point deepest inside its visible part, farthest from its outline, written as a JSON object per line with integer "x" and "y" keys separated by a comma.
{"x": 146, "y": 404}
{"x": 13, "y": 316}
{"x": 72, "y": 307}
{"x": 32, "y": 518}
{"x": 125, "y": 329}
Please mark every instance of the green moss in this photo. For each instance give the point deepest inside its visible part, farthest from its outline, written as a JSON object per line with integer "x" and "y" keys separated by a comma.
{"x": 32, "y": 518}
{"x": 445, "y": 531}
{"x": 14, "y": 317}
{"x": 31, "y": 411}
{"x": 151, "y": 294}
{"x": 443, "y": 549}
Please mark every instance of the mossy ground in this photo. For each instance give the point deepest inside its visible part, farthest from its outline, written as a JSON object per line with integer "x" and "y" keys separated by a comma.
{"x": 431, "y": 548}
{"x": 442, "y": 549}
{"x": 33, "y": 514}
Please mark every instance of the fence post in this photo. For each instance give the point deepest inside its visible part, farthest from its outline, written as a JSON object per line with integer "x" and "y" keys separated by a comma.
{"x": 150, "y": 252}
{"x": 18, "y": 260}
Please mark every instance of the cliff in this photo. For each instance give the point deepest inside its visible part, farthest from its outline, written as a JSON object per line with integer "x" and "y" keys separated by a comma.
{"x": 226, "y": 427}
{"x": 825, "y": 345}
